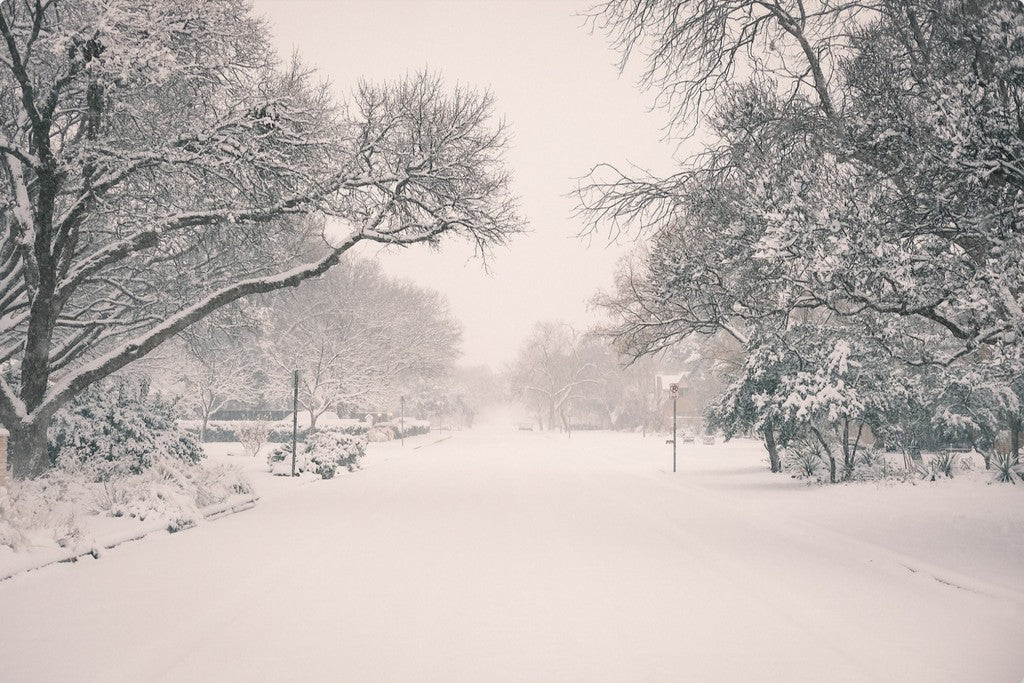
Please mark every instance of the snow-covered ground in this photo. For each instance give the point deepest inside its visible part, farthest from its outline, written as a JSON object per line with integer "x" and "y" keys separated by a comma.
{"x": 500, "y": 555}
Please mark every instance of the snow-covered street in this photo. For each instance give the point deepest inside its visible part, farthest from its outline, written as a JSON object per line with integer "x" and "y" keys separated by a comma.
{"x": 527, "y": 556}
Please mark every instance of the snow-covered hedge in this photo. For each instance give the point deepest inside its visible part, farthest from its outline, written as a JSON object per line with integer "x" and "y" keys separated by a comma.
{"x": 323, "y": 454}
{"x": 220, "y": 431}
{"x": 412, "y": 427}
{"x": 393, "y": 429}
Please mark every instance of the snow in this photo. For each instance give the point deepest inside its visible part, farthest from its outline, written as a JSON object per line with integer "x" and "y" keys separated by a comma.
{"x": 506, "y": 555}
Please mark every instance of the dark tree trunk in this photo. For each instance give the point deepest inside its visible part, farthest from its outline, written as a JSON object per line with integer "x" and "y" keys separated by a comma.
{"x": 773, "y": 449}
{"x": 27, "y": 449}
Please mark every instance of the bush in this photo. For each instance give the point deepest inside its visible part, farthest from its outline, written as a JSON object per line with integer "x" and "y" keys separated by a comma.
{"x": 380, "y": 433}
{"x": 322, "y": 454}
{"x": 252, "y": 435}
{"x": 411, "y": 427}
{"x": 117, "y": 429}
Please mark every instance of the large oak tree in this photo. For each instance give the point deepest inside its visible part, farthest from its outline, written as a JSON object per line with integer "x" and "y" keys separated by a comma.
{"x": 157, "y": 162}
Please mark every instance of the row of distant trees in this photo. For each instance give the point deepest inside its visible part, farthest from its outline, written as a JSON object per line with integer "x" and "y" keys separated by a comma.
{"x": 357, "y": 338}
{"x": 565, "y": 377}
{"x": 854, "y": 225}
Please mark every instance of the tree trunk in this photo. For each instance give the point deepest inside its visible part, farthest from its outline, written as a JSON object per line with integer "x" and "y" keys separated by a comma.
{"x": 27, "y": 449}
{"x": 773, "y": 449}
{"x": 202, "y": 428}
{"x": 848, "y": 464}
{"x": 1015, "y": 438}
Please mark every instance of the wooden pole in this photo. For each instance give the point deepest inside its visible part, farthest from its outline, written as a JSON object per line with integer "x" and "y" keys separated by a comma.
{"x": 295, "y": 416}
{"x": 674, "y": 432}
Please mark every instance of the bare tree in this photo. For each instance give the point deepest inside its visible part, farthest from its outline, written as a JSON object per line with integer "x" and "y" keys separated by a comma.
{"x": 551, "y": 373}
{"x": 155, "y": 162}
{"x": 355, "y": 335}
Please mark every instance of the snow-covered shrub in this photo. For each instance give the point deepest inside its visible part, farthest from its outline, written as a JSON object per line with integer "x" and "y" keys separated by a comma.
{"x": 118, "y": 452}
{"x": 411, "y": 427}
{"x": 380, "y": 433}
{"x": 279, "y": 460}
{"x": 1008, "y": 468}
{"x": 31, "y": 510}
{"x": 170, "y": 490}
{"x": 12, "y": 521}
{"x": 117, "y": 429}
{"x": 344, "y": 450}
{"x": 252, "y": 435}
{"x": 873, "y": 465}
{"x": 322, "y": 454}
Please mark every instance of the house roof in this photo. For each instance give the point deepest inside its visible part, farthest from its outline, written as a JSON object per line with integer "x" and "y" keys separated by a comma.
{"x": 680, "y": 378}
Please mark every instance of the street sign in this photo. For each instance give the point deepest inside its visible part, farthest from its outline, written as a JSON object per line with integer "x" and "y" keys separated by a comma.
{"x": 673, "y": 388}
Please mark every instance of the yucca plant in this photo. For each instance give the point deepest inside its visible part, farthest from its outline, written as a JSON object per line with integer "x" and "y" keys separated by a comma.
{"x": 805, "y": 457}
{"x": 943, "y": 463}
{"x": 1007, "y": 468}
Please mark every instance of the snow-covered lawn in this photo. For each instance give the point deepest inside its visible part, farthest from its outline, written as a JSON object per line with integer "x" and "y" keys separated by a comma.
{"x": 503, "y": 555}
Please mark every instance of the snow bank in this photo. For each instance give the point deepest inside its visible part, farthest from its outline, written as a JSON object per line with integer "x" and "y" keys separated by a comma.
{"x": 64, "y": 514}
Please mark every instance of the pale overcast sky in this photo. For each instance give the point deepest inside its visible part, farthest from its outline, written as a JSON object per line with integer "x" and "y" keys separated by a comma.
{"x": 568, "y": 108}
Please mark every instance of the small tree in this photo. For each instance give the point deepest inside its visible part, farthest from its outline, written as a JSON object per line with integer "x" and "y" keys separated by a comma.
{"x": 252, "y": 434}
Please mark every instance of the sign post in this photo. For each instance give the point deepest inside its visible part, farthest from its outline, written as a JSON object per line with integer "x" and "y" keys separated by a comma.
{"x": 402, "y": 422}
{"x": 674, "y": 389}
{"x": 295, "y": 415}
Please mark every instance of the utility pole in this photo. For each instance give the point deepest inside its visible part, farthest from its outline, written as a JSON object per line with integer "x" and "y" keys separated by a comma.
{"x": 674, "y": 388}
{"x": 402, "y": 423}
{"x": 295, "y": 415}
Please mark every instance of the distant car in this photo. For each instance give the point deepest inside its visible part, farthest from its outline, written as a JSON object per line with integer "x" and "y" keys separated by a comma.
{"x": 688, "y": 438}
{"x": 525, "y": 426}
{"x": 709, "y": 440}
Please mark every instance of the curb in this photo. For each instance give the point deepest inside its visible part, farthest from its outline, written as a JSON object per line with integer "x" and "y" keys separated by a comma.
{"x": 209, "y": 513}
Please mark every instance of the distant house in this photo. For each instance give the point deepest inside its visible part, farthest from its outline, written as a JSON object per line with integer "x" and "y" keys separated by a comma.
{"x": 237, "y": 410}
{"x": 689, "y": 403}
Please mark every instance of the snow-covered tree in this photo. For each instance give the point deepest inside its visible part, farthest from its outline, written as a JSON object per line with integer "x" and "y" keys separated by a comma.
{"x": 214, "y": 369}
{"x": 356, "y": 336}
{"x": 863, "y": 175}
{"x": 157, "y": 163}
{"x": 551, "y": 373}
